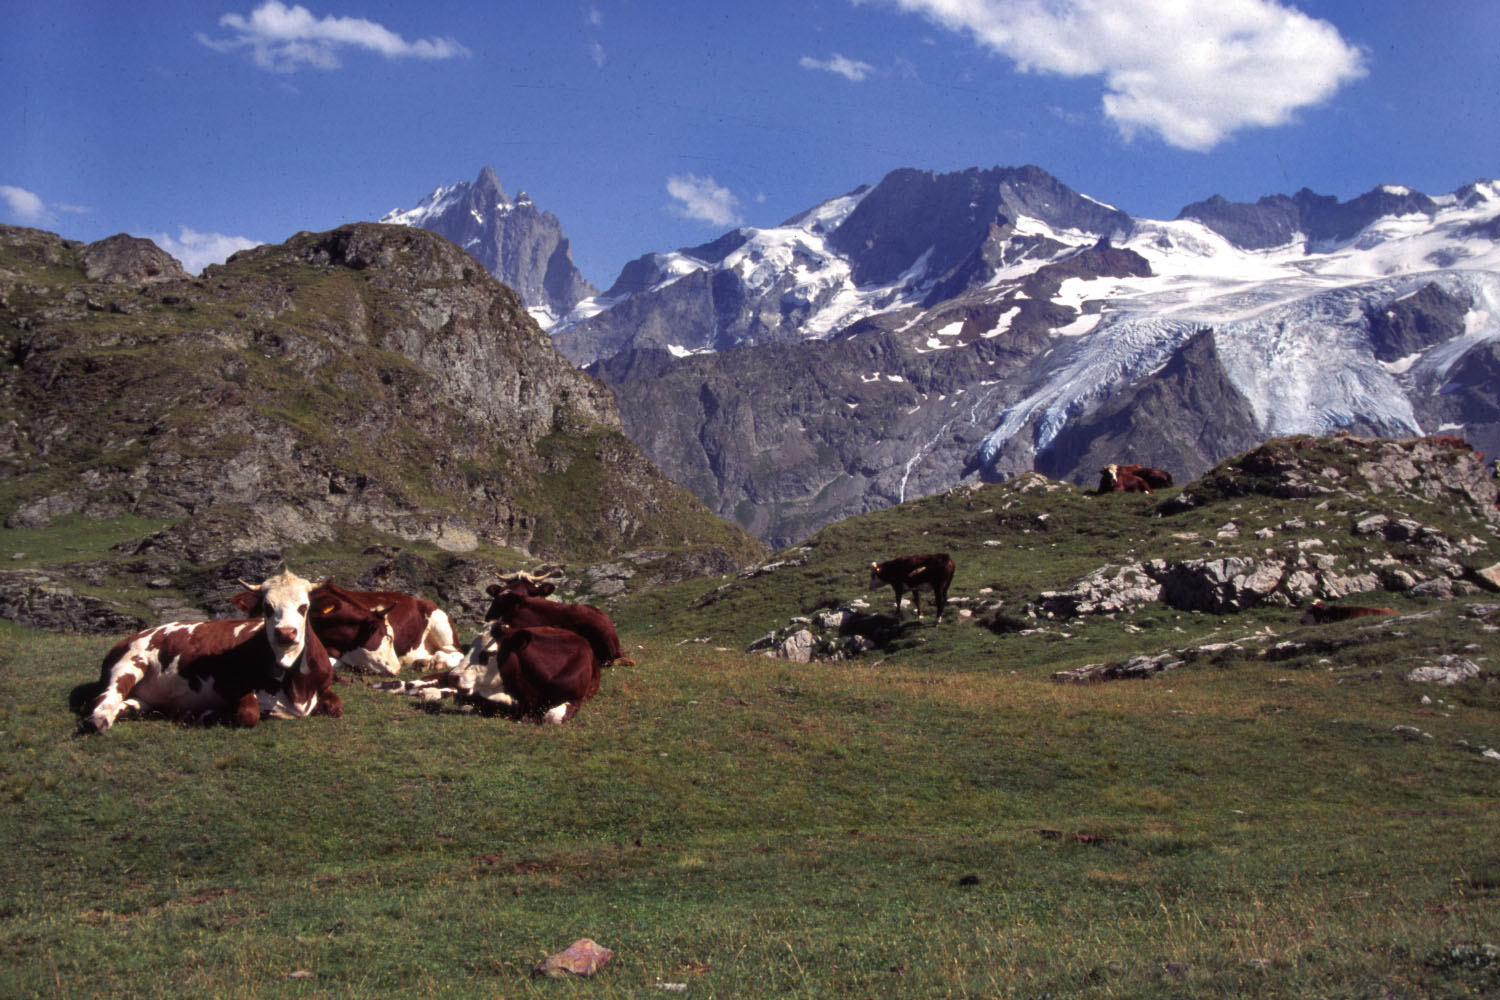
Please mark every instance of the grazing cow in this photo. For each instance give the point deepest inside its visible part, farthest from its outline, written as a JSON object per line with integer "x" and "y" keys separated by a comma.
{"x": 515, "y": 603}
{"x": 421, "y": 633}
{"x": 910, "y": 572}
{"x": 1157, "y": 479}
{"x": 270, "y": 665}
{"x": 541, "y": 673}
{"x": 1319, "y": 613}
{"x": 1114, "y": 479}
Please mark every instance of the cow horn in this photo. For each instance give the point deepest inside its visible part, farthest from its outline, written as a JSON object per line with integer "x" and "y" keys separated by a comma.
{"x": 251, "y": 586}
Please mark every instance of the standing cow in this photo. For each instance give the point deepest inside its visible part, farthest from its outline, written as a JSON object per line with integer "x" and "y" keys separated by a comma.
{"x": 903, "y": 573}
{"x": 243, "y": 669}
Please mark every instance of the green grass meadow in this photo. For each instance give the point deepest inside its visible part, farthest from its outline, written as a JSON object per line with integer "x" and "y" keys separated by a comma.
{"x": 938, "y": 820}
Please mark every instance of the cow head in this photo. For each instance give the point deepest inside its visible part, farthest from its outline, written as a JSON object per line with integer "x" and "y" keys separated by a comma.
{"x": 511, "y": 590}
{"x": 358, "y": 637}
{"x": 283, "y": 601}
{"x": 876, "y": 581}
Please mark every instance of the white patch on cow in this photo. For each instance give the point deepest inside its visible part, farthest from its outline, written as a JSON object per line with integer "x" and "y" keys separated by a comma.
{"x": 247, "y": 628}
{"x": 438, "y": 649}
{"x": 380, "y": 660}
{"x": 557, "y": 714}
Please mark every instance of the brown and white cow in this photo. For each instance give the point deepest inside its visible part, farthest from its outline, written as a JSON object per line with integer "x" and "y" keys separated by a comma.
{"x": 1318, "y": 613}
{"x": 271, "y": 665}
{"x": 1114, "y": 479}
{"x": 1157, "y": 479}
{"x": 521, "y": 601}
{"x": 541, "y": 673}
{"x": 934, "y": 571}
{"x": 421, "y": 634}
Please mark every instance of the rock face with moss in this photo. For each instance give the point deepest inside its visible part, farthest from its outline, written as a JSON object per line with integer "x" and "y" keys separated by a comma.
{"x": 368, "y": 384}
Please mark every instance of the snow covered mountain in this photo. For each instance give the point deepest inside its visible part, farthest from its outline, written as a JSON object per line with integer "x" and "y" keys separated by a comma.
{"x": 515, "y": 241}
{"x": 896, "y": 340}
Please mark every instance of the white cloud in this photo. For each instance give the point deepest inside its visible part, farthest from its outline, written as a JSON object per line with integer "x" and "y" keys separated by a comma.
{"x": 701, "y": 199}
{"x": 284, "y": 39}
{"x": 1194, "y": 73}
{"x": 596, "y": 53}
{"x": 197, "y": 250}
{"x": 850, "y": 69}
{"x": 22, "y": 206}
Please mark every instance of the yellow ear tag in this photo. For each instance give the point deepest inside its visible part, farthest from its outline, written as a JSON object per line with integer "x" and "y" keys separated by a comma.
{"x": 328, "y": 610}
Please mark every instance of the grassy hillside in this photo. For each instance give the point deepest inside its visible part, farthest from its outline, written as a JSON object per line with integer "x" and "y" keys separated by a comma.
{"x": 1284, "y": 814}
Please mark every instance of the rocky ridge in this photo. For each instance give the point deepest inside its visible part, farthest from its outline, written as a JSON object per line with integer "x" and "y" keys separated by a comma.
{"x": 369, "y": 385}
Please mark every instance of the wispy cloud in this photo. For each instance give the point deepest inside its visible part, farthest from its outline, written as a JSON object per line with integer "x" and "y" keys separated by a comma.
{"x": 197, "y": 250}
{"x": 22, "y": 206}
{"x": 1193, "y": 73}
{"x": 700, "y": 198}
{"x": 285, "y": 39}
{"x": 850, "y": 69}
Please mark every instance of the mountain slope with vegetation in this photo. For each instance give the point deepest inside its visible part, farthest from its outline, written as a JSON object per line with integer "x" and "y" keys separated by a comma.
{"x": 1266, "y": 809}
{"x": 369, "y": 385}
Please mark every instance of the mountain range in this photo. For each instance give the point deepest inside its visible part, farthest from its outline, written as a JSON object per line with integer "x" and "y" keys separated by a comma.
{"x": 937, "y": 328}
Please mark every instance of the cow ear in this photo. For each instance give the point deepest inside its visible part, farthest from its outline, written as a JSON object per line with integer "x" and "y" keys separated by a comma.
{"x": 493, "y": 590}
{"x": 545, "y": 589}
{"x": 246, "y": 600}
{"x": 519, "y": 640}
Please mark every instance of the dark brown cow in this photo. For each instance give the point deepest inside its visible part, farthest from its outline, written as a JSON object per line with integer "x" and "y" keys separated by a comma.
{"x": 272, "y": 665}
{"x": 1114, "y": 479}
{"x": 910, "y": 572}
{"x": 1319, "y": 613}
{"x": 1157, "y": 479}
{"x": 541, "y": 673}
{"x": 421, "y": 633}
{"x": 514, "y": 604}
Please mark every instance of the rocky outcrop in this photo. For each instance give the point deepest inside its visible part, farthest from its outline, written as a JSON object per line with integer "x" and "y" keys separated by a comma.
{"x": 1414, "y": 557}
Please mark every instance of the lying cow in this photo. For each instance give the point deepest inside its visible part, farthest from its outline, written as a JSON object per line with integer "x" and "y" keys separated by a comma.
{"x": 243, "y": 669}
{"x": 521, "y": 601}
{"x": 1319, "y": 613}
{"x": 413, "y": 631}
{"x": 1157, "y": 479}
{"x": 1114, "y": 479}
{"x": 542, "y": 673}
{"x": 421, "y": 634}
{"x": 904, "y": 573}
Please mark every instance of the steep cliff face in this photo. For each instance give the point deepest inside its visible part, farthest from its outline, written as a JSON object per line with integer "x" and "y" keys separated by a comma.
{"x": 372, "y": 383}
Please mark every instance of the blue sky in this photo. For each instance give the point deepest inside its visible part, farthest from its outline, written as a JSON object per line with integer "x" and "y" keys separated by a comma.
{"x": 648, "y": 125}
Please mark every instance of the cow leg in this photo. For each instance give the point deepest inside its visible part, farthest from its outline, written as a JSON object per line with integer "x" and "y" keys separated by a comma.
{"x": 558, "y": 714}
{"x": 897, "y": 589}
{"x": 115, "y": 698}
{"x": 916, "y": 600}
{"x": 940, "y": 597}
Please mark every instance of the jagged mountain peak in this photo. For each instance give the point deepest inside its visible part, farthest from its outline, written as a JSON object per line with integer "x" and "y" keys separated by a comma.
{"x": 515, "y": 241}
